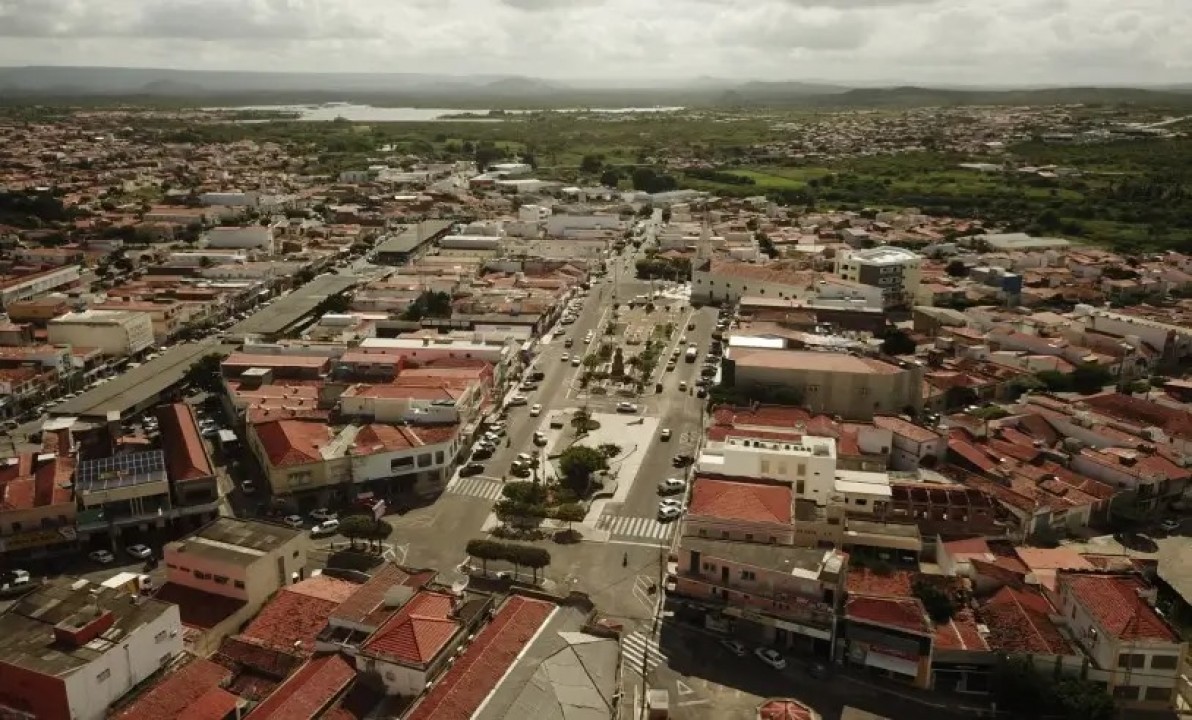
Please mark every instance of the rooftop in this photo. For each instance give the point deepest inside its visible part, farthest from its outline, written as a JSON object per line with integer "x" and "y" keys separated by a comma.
{"x": 119, "y": 471}
{"x": 1117, "y": 602}
{"x": 297, "y": 613}
{"x": 905, "y": 614}
{"x": 884, "y": 255}
{"x": 811, "y": 361}
{"x": 807, "y": 563}
{"x": 194, "y": 688}
{"x": 1019, "y": 621}
{"x": 186, "y": 456}
{"x": 461, "y": 691}
{"x": 418, "y": 632}
{"x": 308, "y": 692}
{"x": 286, "y": 311}
{"x": 231, "y": 540}
{"x": 733, "y": 500}
{"x": 366, "y": 604}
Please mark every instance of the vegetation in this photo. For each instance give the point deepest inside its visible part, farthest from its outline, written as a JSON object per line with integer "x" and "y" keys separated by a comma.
{"x": 656, "y": 268}
{"x": 749, "y": 394}
{"x": 897, "y": 342}
{"x": 431, "y": 303}
{"x": 578, "y": 464}
{"x": 935, "y": 600}
{"x": 204, "y": 373}
{"x": 1086, "y": 379}
{"x": 518, "y": 555}
{"x": 1023, "y": 692}
{"x": 364, "y": 527}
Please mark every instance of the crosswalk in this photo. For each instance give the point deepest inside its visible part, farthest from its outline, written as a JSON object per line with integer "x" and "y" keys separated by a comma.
{"x": 640, "y": 651}
{"x": 636, "y": 527}
{"x": 475, "y": 486}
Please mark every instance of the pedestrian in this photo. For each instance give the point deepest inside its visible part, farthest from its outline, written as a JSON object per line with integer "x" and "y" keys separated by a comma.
{"x": 625, "y": 560}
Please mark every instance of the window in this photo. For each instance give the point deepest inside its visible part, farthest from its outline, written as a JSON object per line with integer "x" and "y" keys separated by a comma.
{"x": 862, "y": 501}
{"x": 103, "y": 675}
{"x": 221, "y": 579}
{"x": 801, "y": 470}
{"x": 160, "y": 637}
{"x": 202, "y": 575}
{"x": 1164, "y": 662}
{"x": 401, "y": 463}
{"x": 813, "y": 388}
{"x": 1131, "y": 660}
{"x": 1125, "y": 692}
{"x": 799, "y": 487}
{"x": 439, "y": 458}
{"x": 748, "y": 575}
{"x": 424, "y": 460}
{"x": 1157, "y": 694}
{"x": 239, "y": 584}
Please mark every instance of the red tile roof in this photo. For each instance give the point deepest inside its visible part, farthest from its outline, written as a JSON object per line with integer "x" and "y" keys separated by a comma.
{"x": 325, "y": 587}
{"x": 293, "y": 442}
{"x": 972, "y": 454}
{"x": 309, "y": 691}
{"x": 1173, "y": 421}
{"x": 458, "y": 694}
{"x": 240, "y": 652}
{"x": 731, "y": 500}
{"x": 186, "y": 456}
{"x": 901, "y": 613}
{"x": 369, "y": 597}
{"x": 1116, "y": 603}
{"x": 1018, "y": 621}
{"x": 960, "y": 633}
{"x": 180, "y": 689}
{"x": 293, "y": 619}
{"x": 784, "y": 710}
{"x": 897, "y": 583}
{"x": 215, "y": 704}
{"x": 24, "y": 485}
{"x": 418, "y": 632}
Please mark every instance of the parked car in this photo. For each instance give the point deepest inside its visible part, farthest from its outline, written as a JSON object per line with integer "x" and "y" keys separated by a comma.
{"x": 771, "y": 657}
{"x": 535, "y": 410}
{"x": 103, "y": 557}
{"x": 682, "y": 460}
{"x": 576, "y": 360}
{"x": 519, "y": 470}
{"x": 701, "y": 392}
{"x": 672, "y": 485}
{"x": 736, "y": 647}
{"x": 482, "y": 453}
{"x": 682, "y": 386}
{"x": 669, "y": 512}
{"x": 13, "y": 582}
{"x": 323, "y": 514}
{"x": 327, "y": 527}
{"x": 518, "y": 399}
{"x": 568, "y": 342}
{"x": 566, "y": 357}
{"x": 294, "y": 521}
{"x": 664, "y": 435}
{"x": 472, "y": 468}
{"x": 1170, "y": 525}
{"x": 539, "y": 439}
{"x": 138, "y": 551}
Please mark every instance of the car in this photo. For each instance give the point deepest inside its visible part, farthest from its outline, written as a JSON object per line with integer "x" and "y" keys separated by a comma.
{"x": 294, "y": 521}
{"x": 526, "y": 458}
{"x": 138, "y": 551}
{"x": 566, "y": 357}
{"x": 327, "y": 527}
{"x": 518, "y": 399}
{"x": 323, "y": 514}
{"x": 626, "y": 407}
{"x": 770, "y": 657}
{"x": 691, "y": 325}
{"x": 1170, "y": 525}
{"x": 472, "y": 468}
{"x": 539, "y": 439}
{"x": 575, "y": 360}
{"x": 736, "y": 647}
{"x": 701, "y": 392}
{"x": 669, "y": 512}
{"x": 682, "y": 386}
{"x": 670, "y": 366}
{"x": 682, "y": 460}
{"x": 529, "y": 386}
{"x": 103, "y": 557}
{"x": 568, "y": 342}
{"x": 535, "y": 410}
{"x": 664, "y": 435}
{"x": 671, "y": 485}
{"x": 520, "y": 470}
{"x": 482, "y": 453}
{"x": 671, "y": 502}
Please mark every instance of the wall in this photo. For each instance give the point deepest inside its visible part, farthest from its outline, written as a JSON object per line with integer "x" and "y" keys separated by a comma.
{"x": 852, "y": 396}
{"x": 43, "y": 694}
{"x": 137, "y": 656}
{"x": 181, "y": 569}
{"x": 810, "y": 475}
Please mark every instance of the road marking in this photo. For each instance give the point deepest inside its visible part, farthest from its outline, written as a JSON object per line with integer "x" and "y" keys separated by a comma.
{"x": 640, "y": 650}
{"x": 683, "y": 688}
{"x": 475, "y": 487}
{"x": 690, "y": 703}
{"x": 634, "y": 543}
{"x": 641, "y": 591}
{"x": 627, "y": 526}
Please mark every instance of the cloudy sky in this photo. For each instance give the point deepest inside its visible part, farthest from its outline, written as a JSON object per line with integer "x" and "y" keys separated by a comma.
{"x": 922, "y": 41}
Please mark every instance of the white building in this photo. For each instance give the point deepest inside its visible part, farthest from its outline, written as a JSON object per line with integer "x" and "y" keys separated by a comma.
{"x": 896, "y": 271}
{"x": 808, "y": 463}
{"x": 249, "y": 237}
{"x": 726, "y": 281}
{"x": 116, "y": 333}
{"x": 422, "y": 349}
{"x": 569, "y": 225}
{"x": 71, "y": 649}
{"x": 34, "y": 286}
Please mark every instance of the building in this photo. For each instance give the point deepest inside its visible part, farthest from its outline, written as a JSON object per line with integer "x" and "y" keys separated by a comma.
{"x": 14, "y": 288}
{"x": 913, "y": 444}
{"x": 853, "y": 387}
{"x": 250, "y": 237}
{"x": 803, "y": 462}
{"x": 409, "y": 242}
{"x": 1113, "y": 618}
{"x": 70, "y": 649}
{"x": 415, "y": 645}
{"x": 726, "y": 281}
{"x": 896, "y": 271}
{"x": 192, "y": 687}
{"x": 890, "y": 636}
{"x": 116, "y": 333}
{"x": 37, "y": 507}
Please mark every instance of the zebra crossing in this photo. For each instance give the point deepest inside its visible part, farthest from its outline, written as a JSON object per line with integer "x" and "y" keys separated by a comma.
{"x": 636, "y": 527}
{"x": 640, "y": 651}
{"x": 475, "y": 486}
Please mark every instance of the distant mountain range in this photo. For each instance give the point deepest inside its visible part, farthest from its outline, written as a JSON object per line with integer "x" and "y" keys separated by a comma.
{"x": 34, "y": 83}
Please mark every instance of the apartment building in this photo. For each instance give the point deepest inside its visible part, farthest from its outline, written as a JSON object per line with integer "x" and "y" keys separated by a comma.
{"x": 115, "y": 333}
{"x": 804, "y": 462}
{"x": 70, "y": 649}
{"x": 894, "y": 270}
{"x": 853, "y": 387}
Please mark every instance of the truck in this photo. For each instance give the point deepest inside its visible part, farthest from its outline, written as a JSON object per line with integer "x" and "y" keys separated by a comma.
{"x": 691, "y": 355}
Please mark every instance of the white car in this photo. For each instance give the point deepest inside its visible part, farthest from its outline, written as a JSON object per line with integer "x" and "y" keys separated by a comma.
{"x": 771, "y": 657}
{"x": 665, "y": 434}
{"x": 1170, "y": 525}
{"x": 103, "y": 557}
{"x": 736, "y": 647}
{"x": 518, "y": 399}
{"x": 327, "y": 527}
{"x": 669, "y": 511}
{"x": 575, "y": 361}
{"x": 626, "y": 407}
{"x": 536, "y": 410}
{"x": 671, "y": 485}
{"x": 323, "y": 514}
{"x": 294, "y": 521}
{"x": 566, "y": 357}
{"x": 140, "y": 552}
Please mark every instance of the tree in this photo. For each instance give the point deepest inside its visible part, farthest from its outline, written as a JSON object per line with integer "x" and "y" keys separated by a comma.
{"x": 1089, "y": 378}
{"x": 610, "y": 450}
{"x": 484, "y": 550}
{"x": 937, "y": 603}
{"x": 591, "y": 164}
{"x": 532, "y": 557}
{"x": 525, "y": 492}
{"x": 431, "y": 303}
{"x": 381, "y": 530}
{"x": 521, "y": 514}
{"x": 578, "y": 463}
{"x": 529, "y": 159}
{"x": 610, "y": 178}
{"x": 356, "y": 527}
{"x": 205, "y": 373}
{"x": 570, "y": 513}
{"x": 957, "y": 269}
{"x": 487, "y": 154}
{"x": 1022, "y": 691}
{"x": 1054, "y": 380}
{"x": 897, "y": 342}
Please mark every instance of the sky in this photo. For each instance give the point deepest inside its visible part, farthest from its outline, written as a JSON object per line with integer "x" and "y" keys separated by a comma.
{"x": 967, "y": 42}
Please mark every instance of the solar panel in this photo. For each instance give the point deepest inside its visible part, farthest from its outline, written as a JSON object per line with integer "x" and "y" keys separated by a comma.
{"x": 121, "y": 471}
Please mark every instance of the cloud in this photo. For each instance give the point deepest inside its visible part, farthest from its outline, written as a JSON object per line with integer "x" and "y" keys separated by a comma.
{"x": 859, "y": 41}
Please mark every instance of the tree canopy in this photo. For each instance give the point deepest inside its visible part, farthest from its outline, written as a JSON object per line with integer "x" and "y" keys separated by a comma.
{"x": 578, "y": 463}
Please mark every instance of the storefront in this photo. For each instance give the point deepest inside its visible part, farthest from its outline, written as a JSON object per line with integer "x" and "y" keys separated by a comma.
{"x": 34, "y": 545}
{"x": 966, "y": 677}
{"x": 756, "y": 628}
{"x": 883, "y": 651}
